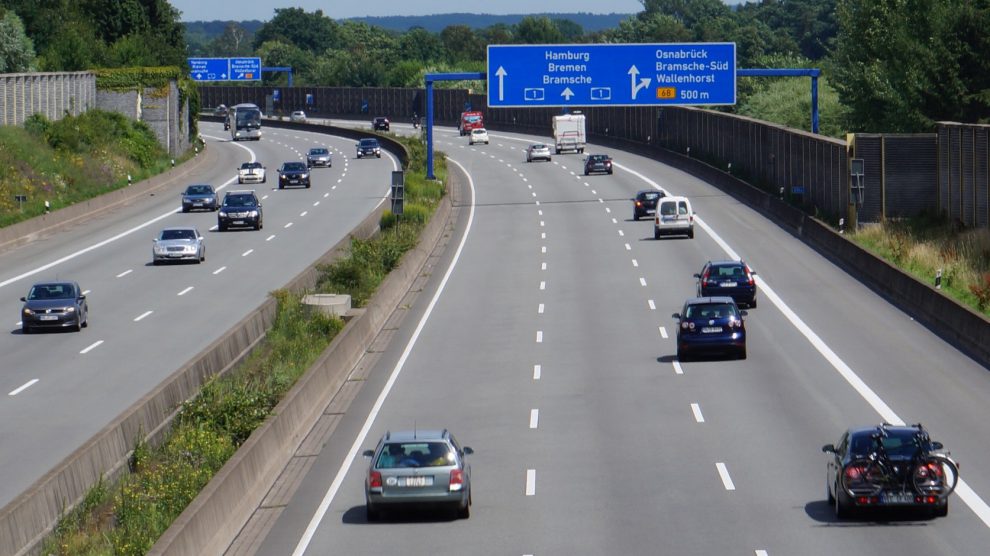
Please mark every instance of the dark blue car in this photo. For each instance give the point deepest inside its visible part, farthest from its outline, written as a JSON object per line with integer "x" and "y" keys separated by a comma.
{"x": 199, "y": 196}
{"x": 728, "y": 278}
{"x": 710, "y": 325}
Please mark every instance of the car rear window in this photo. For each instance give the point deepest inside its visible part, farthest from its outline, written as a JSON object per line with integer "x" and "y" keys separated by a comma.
{"x": 399, "y": 455}
{"x": 649, "y": 196}
{"x": 710, "y": 311}
{"x": 668, "y": 209}
{"x": 730, "y": 270}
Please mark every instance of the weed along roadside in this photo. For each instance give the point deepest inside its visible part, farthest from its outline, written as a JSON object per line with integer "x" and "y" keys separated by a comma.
{"x": 130, "y": 515}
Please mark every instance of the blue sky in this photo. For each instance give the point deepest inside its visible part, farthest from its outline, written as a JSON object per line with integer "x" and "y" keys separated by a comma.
{"x": 242, "y": 10}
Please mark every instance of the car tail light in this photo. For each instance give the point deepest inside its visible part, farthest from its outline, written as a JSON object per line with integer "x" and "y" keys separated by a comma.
{"x": 867, "y": 500}
{"x": 374, "y": 479}
{"x": 854, "y": 473}
{"x": 929, "y": 471}
{"x": 456, "y": 479}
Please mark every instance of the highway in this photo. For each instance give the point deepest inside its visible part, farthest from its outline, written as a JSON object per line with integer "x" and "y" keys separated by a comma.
{"x": 545, "y": 342}
{"x": 61, "y": 388}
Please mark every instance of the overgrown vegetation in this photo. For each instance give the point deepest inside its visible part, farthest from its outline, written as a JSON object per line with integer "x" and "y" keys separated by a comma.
{"x": 71, "y": 160}
{"x": 925, "y": 245}
{"x": 128, "y": 517}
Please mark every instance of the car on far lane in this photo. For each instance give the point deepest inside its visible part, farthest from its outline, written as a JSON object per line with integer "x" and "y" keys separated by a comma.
{"x": 54, "y": 305}
{"x": 598, "y": 163}
{"x": 416, "y": 468}
{"x": 538, "y": 151}
{"x": 731, "y": 278}
{"x": 645, "y": 202}
{"x": 478, "y": 135}
{"x": 369, "y": 147}
{"x": 380, "y": 123}
{"x": 200, "y": 196}
{"x": 319, "y": 156}
{"x": 298, "y": 116}
{"x": 293, "y": 173}
{"x": 710, "y": 325}
{"x": 251, "y": 172}
{"x": 179, "y": 243}
{"x": 220, "y": 111}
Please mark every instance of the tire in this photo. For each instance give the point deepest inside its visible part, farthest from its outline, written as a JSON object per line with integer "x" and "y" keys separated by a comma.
{"x": 239, "y": 181}
{"x": 155, "y": 262}
{"x": 691, "y": 233}
{"x": 682, "y": 355}
{"x": 842, "y": 509}
{"x": 464, "y": 512}
{"x": 378, "y": 156}
{"x": 221, "y": 228}
{"x": 85, "y": 323}
{"x": 307, "y": 185}
{"x": 78, "y": 326}
{"x": 828, "y": 493}
{"x": 942, "y": 509}
{"x": 752, "y": 304}
{"x": 656, "y": 233}
{"x": 635, "y": 217}
{"x": 742, "y": 353}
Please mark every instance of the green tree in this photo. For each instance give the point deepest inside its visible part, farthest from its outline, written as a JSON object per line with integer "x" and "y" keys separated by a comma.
{"x": 420, "y": 45}
{"x": 234, "y": 41}
{"x": 537, "y": 30}
{"x": 16, "y": 49}
{"x": 461, "y": 44}
{"x": 656, "y": 27}
{"x": 500, "y": 33}
{"x": 313, "y": 32}
{"x": 571, "y": 31}
{"x": 278, "y": 53}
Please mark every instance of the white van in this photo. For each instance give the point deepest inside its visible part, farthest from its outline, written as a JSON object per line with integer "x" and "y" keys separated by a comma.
{"x": 674, "y": 217}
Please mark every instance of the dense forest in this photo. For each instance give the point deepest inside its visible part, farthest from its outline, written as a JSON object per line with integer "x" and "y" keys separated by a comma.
{"x": 888, "y": 65}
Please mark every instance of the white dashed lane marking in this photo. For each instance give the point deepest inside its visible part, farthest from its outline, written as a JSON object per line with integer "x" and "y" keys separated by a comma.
{"x": 91, "y": 347}
{"x": 23, "y": 387}
{"x": 219, "y": 270}
{"x": 723, "y": 472}
{"x": 125, "y": 273}
{"x": 185, "y": 291}
{"x": 696, "y": 409}
{"x": 142, "y": 316}
{"x": 534, "y": 418}
{"x": 537, "y": 371}
{"x": 530, "y": 482}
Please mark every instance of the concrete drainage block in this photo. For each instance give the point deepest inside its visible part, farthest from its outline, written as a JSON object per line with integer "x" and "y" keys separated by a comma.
{"x": 333, "y": 304}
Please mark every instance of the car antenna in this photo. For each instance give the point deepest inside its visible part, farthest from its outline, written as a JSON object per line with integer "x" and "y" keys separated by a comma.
{"x": 414, "y": 429}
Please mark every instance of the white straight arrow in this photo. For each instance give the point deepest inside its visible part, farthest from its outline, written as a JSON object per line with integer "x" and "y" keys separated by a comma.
{"x": 567, "y": 94}
{"x": 501, "y": 73}
{"x": 643, "y": 83}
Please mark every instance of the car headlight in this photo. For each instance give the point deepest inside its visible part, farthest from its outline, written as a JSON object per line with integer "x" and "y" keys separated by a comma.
{"x": 304, "y": 176}
{"x": 223, "y": 213}
{"x": 28, "y": 311}
{"x": 70, "y": 309}
{"x": 253, "y": 213}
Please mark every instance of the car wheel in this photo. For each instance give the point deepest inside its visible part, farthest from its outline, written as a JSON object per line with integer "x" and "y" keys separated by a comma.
{"x": 264, "y": 179}
{"x": 842, "y": 508}
{"x": 202, "y": 257}
{"x": 656, "y": 233}
{"x": 682, "y": 355}
{"x": 828, "y": 492}
{"x": 155, "y": 262}
{"x": 240, "y": 181}
{"x": 221, "y": 228}
{"x": 85, "y": 323}
{"x": 185, "y": 209}
{"x": 942, "y": 509}
{"x": 78, "y": 326}
{"x": 636, "y": 216}
{"x": 691, "y": 233}
{"x": 752, "y": 304}
{"x": 464, "y": 512}
{"x": 307, "y": 186}
{"x": 742, "y": 353}
{"x": 373, "y": 513}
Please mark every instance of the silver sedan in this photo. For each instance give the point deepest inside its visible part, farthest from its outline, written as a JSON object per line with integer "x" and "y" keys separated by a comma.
{"x": 178, "y": 244}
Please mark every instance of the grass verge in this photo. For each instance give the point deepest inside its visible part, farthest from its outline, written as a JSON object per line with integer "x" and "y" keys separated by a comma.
{"x": 127, "y": 518}
{"x": 927, "y": 245}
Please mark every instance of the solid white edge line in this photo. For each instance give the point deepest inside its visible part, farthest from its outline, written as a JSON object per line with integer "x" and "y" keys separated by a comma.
{"x": 723, "y": 472}
{"x": 965, "y": 493}
{"x": 534, "y": 418}
{"x": 530, "y": 482}
{"x": 537, "y": 372}
{"x": 321, "y": 511}
{"x": 696, "y": 409}
{"x": 23, "y": 387}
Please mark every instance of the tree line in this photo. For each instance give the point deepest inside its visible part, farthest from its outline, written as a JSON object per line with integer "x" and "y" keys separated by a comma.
{"x": 889, "y": 65}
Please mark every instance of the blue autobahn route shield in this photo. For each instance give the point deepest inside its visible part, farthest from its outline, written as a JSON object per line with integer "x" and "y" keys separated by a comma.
{"x": 612, "y": 74}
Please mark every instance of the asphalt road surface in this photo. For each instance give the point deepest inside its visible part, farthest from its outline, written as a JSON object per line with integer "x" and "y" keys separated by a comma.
{"x": 146, "y": 321}
{"x": 549, "y": 348}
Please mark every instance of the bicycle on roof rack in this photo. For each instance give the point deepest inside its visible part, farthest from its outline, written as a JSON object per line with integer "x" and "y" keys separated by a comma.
{"x": 921, "y": 471}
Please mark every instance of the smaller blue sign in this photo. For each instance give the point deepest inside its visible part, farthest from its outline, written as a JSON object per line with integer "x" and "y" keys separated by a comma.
{"x": 209, "y": 69}
{"x": 276, "y": 95}
{"x": 797, "y": 190}
{"x": 245, "y": 69}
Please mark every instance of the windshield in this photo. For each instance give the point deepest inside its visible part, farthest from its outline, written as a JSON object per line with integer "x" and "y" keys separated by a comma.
{"x": 369, "y": 142}
{"x": 198, "y": 190}
{"x": 177, "y": 234}
{"x": 318, "y": 151}
{"x": 649, "y": 196}
{"x": 249, "y": 118}
{"x": 472, "y": 119}
{"x": 51, "y": 291}
{"x": 238, "y": 201}
{"x": 294, "y": 166}
{"x": 396, "y": 455}
{"x": 250, "y": 165}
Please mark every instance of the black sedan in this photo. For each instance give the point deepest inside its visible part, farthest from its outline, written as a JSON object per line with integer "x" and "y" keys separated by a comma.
{"x": 645, "y": 203}
{"x": 710, "y": 325}
{"x": 54, "y": 305}
{"x": 731, "y": 278}
{"x": 369, "y": 147}
{"x": 200, "y": 196}
{"x": 598, "y": 163}
{"x": 889, "y": 466}
{"x": 380, "y": 123}
{"x": 293, "y": 173}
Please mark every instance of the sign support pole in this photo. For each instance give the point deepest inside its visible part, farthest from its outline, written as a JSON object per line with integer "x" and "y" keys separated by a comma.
{"x": 430, "y": 78}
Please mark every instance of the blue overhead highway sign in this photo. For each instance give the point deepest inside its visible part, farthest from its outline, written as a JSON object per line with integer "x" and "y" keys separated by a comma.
{"x": 611, "y": 74}
{"x": 245, "y": 69}
{"x": 209, "y": 69}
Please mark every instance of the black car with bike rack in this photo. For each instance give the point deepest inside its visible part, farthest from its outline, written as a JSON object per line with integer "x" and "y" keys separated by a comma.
{"x": 889, "y": 466}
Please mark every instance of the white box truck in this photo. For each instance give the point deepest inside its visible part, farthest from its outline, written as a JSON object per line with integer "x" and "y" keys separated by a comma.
{"x": 568, "y": 132}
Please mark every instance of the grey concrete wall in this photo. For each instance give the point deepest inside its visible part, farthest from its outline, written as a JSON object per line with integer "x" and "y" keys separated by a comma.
{"x": 51, "y": 94}
{"x": 161, "y": 110}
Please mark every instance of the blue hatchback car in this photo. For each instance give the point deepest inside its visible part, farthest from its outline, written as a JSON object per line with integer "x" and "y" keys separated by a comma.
{"x": 710, "y": 325}
{"x": 731, "y": 278}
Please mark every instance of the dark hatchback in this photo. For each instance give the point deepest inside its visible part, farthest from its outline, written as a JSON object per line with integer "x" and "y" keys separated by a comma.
{"x": 240, "y": 209}
{"x": 645, "y": 203}
{"x": 293, "y": 173}
{"x": 200, "y": 196}
{"x": 380, "y": 123}
{"x": 54, "y": 305}
{"x": 710, "y": 325}
{"x": 369, "y": 147}
{"x": 598, "y": 163}
{"x": 731, "y": 278}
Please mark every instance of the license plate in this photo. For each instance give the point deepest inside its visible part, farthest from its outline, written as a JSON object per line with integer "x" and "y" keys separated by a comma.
{"x": 197, "y": 204}
{"x": 238, "y": 222}
{"x": 728, "y": 284}
{"x": 711, "y": 329}
{"x": 897, "y": 498}
{"x": 48, "y": 317}
{"x": 418, "y": 481}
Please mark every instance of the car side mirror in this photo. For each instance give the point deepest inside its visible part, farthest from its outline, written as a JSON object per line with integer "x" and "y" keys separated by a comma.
{"x": 467, "y": 450}
{"x": 82, "y": 296}
{"x": 154, "y": 240}
{"x": 743, "y": 314}
{"x": 937, "y": 445}
{"x": 675, "y": 316}
{"x": 24, "y": 299}
{"x": 368, "y": 453}
{"x": 828, "y": 449}
{"x": 696, "y": 275}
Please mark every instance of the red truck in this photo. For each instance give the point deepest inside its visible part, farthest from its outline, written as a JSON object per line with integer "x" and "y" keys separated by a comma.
{"x": 469, "y": 121}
